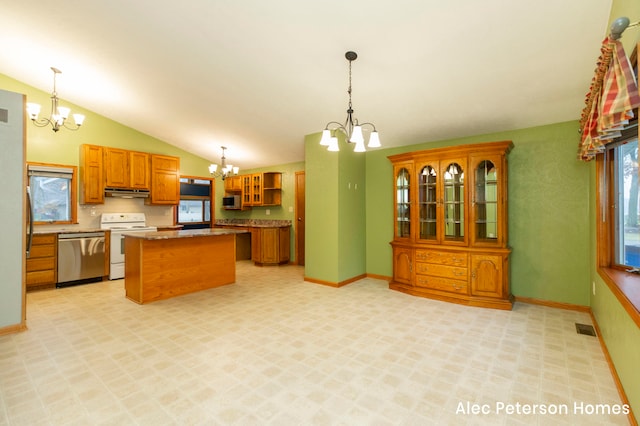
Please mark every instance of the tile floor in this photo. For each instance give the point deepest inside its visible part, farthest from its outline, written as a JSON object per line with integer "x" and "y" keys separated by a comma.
{"x": 275, "y": 350}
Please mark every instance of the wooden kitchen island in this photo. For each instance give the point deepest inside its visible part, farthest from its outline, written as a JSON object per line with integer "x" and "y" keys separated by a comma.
{"x": 165, "y": 264}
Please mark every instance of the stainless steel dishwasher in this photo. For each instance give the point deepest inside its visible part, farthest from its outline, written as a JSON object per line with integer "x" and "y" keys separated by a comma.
{"x": 80, "y": 258}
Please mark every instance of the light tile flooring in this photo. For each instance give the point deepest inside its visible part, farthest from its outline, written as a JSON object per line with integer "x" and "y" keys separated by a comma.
{"x": 275, "y": 350}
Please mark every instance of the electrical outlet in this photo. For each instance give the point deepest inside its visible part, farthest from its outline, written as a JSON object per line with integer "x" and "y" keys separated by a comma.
{"x": 593, "y": 287}
{"x": 268, "y": 212}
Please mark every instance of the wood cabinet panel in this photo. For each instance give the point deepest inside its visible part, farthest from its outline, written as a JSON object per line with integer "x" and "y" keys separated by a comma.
{"x": 486, "y": 275}
{"x": 91, "y": 174}
{"x": 41, "y": 266}
{"x": 165, "y": 180}
{"x": 402, "y": 265}
{"x": 450, "y": 215}
{"x": 442, "y": 284}
{"x": 116, "y": 168}
{"x": 139, "y": 170}
{"x": 441, "y": 270}
{"x": 443, "y": 258}
{"x": 270, "y": 246}
{"x": 233, "y": 184}
{"x": 126, "y": 169}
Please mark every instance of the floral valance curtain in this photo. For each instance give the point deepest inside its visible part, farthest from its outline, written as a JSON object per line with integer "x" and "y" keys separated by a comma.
{"x": 610, "y": 102}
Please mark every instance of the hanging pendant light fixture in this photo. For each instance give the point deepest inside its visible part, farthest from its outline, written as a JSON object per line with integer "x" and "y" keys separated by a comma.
{"x": 59, "y": 114}
{"x": 351, "y": 128}
{"x": 226, "y": 170}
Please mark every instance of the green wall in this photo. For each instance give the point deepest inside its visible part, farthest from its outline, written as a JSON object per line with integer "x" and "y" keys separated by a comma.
{"x": 321, "y": 208}
{"x": 62, "y": 147}
{"x": 620, "y": 334}
{"x": 335, "y": 212}
{"x": 548, "y": 211}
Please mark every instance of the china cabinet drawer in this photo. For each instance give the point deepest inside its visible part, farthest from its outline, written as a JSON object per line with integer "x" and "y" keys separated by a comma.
{"x": 442, "y": 271}
{"x": 443, "y": 284}
{"x": 442, "y": 257}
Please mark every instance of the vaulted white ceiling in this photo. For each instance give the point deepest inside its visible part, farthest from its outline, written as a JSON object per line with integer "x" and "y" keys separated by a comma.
{"x": 257, "y": 76}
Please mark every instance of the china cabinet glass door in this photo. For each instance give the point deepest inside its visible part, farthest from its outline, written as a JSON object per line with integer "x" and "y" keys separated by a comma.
{"x": 403, "y": 203}
{"x": 487, "y": 212}
{"x": 454, "y": 201}
{"x": 428, "y": 202}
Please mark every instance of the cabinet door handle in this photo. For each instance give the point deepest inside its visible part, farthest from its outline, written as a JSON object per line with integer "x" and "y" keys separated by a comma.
{"x": 473, "y": 274}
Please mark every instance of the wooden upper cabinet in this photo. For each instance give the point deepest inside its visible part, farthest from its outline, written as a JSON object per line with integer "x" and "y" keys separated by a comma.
{"x": 246, "y": 190}
{"x": 233, "y": 184}
{"x": 165, "y": 180}
{"x": 91, "y": 174}
{"x": 116, "y": 166}
{"x": 256, "y": 189}
{"x": 126, "y": 169}
{"x": 139, "y": 177}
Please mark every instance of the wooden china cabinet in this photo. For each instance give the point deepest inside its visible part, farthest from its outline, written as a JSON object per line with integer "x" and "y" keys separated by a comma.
{"x": 450, "y": 224}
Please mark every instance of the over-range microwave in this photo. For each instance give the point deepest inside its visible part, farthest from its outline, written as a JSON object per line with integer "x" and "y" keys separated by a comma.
{"x": 231, "y": 202}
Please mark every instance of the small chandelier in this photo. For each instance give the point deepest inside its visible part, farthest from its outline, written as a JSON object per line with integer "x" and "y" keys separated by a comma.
{"x": 351, "y": 128}
{"x": 59, "y": 114}
{"x": 225, "y": 171}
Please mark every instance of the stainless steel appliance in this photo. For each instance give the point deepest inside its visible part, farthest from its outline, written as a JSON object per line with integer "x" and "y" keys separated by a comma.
{"x": 231, "y": 202}
{"x": 80, "y": 258}
{"x": 12, "y": 210}
{"x": 119, "y": 224}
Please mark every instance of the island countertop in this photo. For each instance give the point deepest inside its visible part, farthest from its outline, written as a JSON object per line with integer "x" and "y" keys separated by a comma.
{"x": 184, "y": 233}
{"x": 253, "y": 223}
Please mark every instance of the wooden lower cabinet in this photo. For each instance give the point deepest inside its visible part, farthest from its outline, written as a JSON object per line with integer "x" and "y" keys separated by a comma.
{"x": 42, "y": 262}
{"x": 487, "y": 276}
{"x": 459, "y": 275}
{"x": 402, "y": 265}
{"x": 270, "y": 246}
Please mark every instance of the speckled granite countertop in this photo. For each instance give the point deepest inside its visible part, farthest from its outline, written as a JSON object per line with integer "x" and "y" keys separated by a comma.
{"x": 254, "y": 223}
{"x": 186, "y": 233}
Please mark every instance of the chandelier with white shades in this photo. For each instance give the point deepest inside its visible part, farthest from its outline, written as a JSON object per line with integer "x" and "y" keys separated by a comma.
{"x": 226, "y": 170}
{"x": 350, "y": 128}
{"x": 59, "y": 114}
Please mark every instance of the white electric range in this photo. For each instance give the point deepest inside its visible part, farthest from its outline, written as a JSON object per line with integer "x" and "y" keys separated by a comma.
{"x": 118, "y": 224}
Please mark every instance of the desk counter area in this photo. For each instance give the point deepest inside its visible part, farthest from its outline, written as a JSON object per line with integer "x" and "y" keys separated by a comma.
{"x": 165, "y": 264}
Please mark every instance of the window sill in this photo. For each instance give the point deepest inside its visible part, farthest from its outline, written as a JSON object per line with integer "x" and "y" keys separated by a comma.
{"x": 626, "y": 288}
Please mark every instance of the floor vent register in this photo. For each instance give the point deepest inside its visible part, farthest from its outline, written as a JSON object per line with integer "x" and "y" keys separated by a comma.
{"x": 585, "y": 329}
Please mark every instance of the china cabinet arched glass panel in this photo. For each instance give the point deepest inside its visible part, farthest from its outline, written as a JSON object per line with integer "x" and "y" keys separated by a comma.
{"x": 486, "y": 202}
{"x": 428, "y": 203}
{"x": 453, "y": 202}
{"x": 403, "y": 203}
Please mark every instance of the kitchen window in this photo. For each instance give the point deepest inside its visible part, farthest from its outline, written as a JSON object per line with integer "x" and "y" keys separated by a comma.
{"x": 618, "y": 218}
{"x": 194, "y": 210}
{"x": 53, "y": 193}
